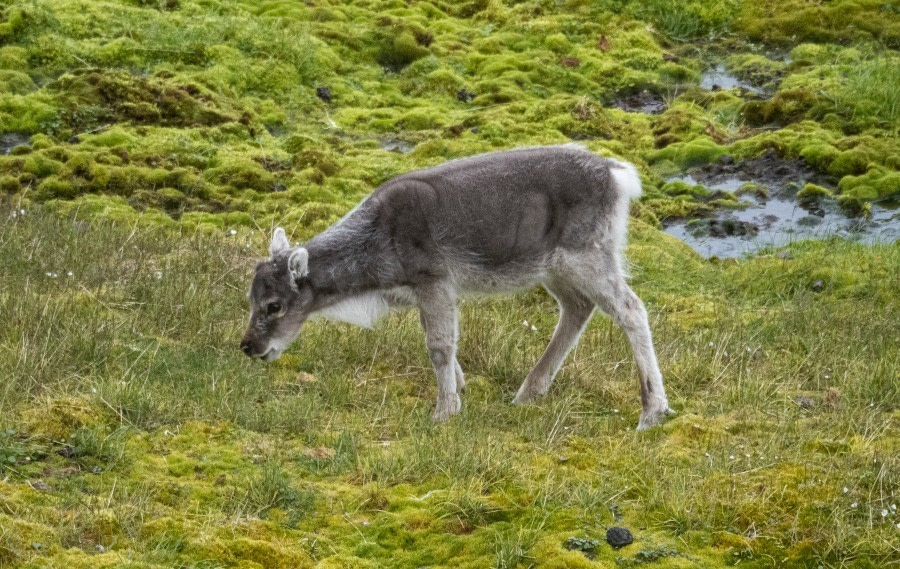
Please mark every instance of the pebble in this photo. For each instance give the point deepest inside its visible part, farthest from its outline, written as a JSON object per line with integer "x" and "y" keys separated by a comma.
{"x": 618, "y": 537}
{"x": 324, "y": 93}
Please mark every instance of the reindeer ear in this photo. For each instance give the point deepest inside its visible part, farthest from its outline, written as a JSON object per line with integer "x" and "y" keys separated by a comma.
{"x": 279, "y": 242}
{"x": 298, "y": 263}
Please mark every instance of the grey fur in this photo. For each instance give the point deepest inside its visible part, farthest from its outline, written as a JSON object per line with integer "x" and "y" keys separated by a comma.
{"x": 492, "y": 223}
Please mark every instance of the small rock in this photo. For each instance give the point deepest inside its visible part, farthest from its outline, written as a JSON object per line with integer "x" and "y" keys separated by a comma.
{"x": 805, "y": 402}
{"x": 618, "y": 537}
{"x": 818, "y": 285}
{"x": 474, "y": 130}
{"x": 464, "y": 95}
{"x": 96, "y": 470}
{"x": 324, "y": 93}
{"x": 727, "y": 159}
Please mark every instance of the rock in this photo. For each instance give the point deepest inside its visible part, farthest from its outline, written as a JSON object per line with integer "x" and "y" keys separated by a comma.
{"x": 474, "y": 130}
{"x": 618, "y": 537}
{"x": 464, "y": 95}
{"x": 805, "y": 402}
{"x": 324, "y": 93}
{"x": 818, "y": 285}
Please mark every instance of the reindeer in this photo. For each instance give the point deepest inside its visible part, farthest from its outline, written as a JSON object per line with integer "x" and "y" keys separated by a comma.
{"x": 487, "y": 224}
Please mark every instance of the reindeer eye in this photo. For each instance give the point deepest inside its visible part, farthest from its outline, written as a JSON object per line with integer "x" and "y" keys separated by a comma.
{"x": 273, "y": 308}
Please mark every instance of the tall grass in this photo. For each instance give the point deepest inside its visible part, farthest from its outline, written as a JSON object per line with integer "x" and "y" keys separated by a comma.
{"x": 124, "y": 384}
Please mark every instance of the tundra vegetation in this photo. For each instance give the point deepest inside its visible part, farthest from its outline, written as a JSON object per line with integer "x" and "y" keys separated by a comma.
{"x": 148, "y": 147}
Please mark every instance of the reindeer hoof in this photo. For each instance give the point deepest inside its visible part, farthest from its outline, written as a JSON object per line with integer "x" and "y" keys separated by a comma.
{"x": 654, "y": 418}
{"x": 446, "y": 408}
{"x": 526, "y": 397}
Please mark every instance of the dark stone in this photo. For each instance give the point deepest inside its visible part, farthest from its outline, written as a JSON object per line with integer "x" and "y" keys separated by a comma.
{"x": 66, "y": 452}
{"x": 324, "y": 93}
{"x": 618, "y": 537}
{"x": 464, "y": 95}
{"x": 818, "y": 285}
{"x": 805, "y": 402}
{"x": 475, "y": 130}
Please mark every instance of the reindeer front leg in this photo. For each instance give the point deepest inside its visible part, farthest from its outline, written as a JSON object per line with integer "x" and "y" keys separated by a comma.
{"x": 437, "y": 307}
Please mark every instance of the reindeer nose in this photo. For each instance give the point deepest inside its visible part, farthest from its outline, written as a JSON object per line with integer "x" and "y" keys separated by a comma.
{"x": 245, "y": 347}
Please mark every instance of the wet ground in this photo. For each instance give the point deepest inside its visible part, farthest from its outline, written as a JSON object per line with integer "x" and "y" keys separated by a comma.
{"x": 397, "y": 145}
{"x": 646, "y": 102}
{"x": 775, "y": 220}
{"x": 11, "y": 140}
{"x": 717, "y": 78}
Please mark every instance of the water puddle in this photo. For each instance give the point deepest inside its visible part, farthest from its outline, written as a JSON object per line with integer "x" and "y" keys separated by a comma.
{"x": 397, "y": 145}
{"x": 718, "y": 78}
{"x": 11, "y": 140}
{"x": 776, "y": 220}
{"x": 646, "y": 102}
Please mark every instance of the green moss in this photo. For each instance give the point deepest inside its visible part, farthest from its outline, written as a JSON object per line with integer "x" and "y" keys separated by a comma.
{"x": 849, "y": 162}
{"x": 558, "y": 43}
{"x": 811, "y": 194}
{"x": 785, "y": 107}
{"x": 41, "y": 165}
{"x": 758, "y": 191}
{"x": 855, "y": 206}
{"x": 875, "y": 184}
{"x": 756, "y": 69}
{"x": 792, "y": 21}
{"x": 401, "y": 50}
{"x": 701, "y": 150}
{"x": 820, "y": 155}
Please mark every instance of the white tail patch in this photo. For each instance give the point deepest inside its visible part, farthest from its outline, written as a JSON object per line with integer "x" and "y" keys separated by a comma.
{"x": 626, "y": 178}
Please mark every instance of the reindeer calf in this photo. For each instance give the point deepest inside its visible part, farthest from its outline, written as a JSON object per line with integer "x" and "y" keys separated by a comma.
{"x": 554, "y": 216}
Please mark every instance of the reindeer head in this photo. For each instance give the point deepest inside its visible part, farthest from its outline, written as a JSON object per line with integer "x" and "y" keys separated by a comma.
{"x": 281, "y": 299}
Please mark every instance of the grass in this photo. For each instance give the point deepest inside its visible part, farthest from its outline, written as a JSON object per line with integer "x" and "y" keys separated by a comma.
{"x": 149, "y": 147}
{"x": 142, "y": 431}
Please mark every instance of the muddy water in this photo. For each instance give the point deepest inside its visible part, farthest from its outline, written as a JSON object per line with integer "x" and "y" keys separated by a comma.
{"x": 777, "y": 221}
{"x": 717, "y": 78}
